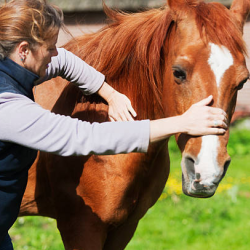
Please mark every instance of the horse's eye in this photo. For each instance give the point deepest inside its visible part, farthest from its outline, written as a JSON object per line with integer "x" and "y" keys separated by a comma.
{"x": 179, "y": 75}
{"x": 241, "y": 85}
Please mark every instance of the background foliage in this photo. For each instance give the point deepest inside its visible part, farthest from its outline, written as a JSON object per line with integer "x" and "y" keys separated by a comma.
{"x": 176, "y": 221}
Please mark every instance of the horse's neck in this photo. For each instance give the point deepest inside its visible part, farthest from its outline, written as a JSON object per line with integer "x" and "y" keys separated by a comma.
{"x": 133, "y": 65}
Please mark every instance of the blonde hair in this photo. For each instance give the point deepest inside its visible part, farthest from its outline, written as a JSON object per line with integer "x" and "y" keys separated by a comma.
{"x": 34, "y": 21}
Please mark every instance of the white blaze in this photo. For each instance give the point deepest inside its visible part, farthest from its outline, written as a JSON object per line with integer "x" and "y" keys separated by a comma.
{"x": 220, "y": 60}
{"x": 206, "y": 164}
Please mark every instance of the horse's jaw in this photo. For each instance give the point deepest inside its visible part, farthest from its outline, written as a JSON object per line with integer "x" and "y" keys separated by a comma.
{"x": 202, "y": 174}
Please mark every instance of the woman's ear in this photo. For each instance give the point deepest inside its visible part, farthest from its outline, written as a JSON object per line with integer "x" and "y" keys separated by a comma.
{"x": 23, "y": 50}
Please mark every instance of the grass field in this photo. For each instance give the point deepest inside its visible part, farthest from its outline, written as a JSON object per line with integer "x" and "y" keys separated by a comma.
{"x": 176, "y": 221}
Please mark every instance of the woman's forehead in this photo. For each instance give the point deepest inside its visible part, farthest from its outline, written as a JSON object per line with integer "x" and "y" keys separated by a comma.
{"x": 52, "y": 41}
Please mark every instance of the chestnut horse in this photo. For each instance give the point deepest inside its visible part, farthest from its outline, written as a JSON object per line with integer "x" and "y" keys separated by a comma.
{"x": 164, "y": 60}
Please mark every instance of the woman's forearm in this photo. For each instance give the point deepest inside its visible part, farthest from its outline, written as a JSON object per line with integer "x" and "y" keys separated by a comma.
{"x": 163, "y": 128}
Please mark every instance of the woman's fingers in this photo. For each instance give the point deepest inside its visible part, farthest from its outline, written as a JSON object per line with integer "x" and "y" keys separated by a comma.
{"x": 205, "y": 101}
{"x": 201, "y": 119}
{"x": 215, "y": 131}
{"x": 111, "y": 119}
{"x": 217, "y": 111}
{"x": 218, "y": 120}
{"x": 218, "y": 124}
{"x": 124, "y": 115}
{"x": 131, "y": 110}
{"x": 121, "y": 116}
{"x": 218, "y": 117}
{"x": 120, "y": 108}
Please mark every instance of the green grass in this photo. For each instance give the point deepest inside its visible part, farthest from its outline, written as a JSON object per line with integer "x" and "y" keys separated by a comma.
{"x": 180, "y": 222}
{"x": 176, "y": 221}
{"x": 35, "y": 233}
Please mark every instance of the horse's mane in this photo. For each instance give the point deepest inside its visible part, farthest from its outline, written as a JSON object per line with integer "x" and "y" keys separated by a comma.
{"x": 131, "y": 50}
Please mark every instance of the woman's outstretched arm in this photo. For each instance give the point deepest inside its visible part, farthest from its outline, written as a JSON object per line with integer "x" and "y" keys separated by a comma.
{"x": 199, "y": 119}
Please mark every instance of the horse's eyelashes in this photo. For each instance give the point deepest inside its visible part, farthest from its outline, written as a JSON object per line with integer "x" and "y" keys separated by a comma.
{"x": 179, "y": 75}
{"x": 241, "y": 85}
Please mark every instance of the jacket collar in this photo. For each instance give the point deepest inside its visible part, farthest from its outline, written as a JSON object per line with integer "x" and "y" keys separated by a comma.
{"x": 22, "y": 76}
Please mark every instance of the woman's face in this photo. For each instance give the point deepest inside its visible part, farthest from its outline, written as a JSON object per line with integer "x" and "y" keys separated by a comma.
{"x": 37, "y": 59}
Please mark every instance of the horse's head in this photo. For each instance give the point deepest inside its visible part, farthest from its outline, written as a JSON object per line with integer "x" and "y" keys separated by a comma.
{"x": 206, "y": 57}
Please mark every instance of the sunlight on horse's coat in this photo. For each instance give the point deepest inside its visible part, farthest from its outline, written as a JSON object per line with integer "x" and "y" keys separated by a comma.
{"x": 220, "y": 60}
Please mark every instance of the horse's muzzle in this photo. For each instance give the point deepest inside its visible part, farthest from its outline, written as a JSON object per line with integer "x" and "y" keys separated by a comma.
{"x": 197, "y": 184}
{"x": 198, "y": 190}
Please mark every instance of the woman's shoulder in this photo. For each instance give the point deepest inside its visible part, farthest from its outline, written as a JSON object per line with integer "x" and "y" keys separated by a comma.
{"x": 5, "y": 86}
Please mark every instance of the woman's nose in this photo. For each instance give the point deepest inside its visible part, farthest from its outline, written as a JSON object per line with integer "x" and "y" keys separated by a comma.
{"x": 54, "y": 53}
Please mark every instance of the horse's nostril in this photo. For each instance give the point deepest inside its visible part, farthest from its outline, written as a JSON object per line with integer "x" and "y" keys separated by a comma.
{"x": 190, "y": 159}
{"x": 197, "y": 185}
{"x": 227, "y": 163}
{"x": 189, "y": 166}
{"x": 197, "y": 176}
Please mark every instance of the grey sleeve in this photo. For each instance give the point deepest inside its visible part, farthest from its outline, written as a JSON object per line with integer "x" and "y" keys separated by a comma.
{"x": 26, "y": 123}
{"x": 70, "y": 67}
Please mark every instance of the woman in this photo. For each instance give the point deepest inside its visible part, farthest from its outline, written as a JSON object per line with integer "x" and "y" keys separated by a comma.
{"x": 28, "y": 35}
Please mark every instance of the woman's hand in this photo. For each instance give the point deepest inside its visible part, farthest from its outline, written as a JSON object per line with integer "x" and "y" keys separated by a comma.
{"x": 201, "y": 119}
{"x": 120, "y": 108}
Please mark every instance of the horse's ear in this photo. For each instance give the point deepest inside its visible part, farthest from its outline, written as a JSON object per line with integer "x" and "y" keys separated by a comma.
{"x": 181, "y": 6}
{"x": 176, "y": 4}
{"x": 240, "y": 9}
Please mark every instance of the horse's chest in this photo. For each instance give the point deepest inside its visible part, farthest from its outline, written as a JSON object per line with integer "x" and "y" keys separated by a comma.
{"x": 129, "y": 185}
